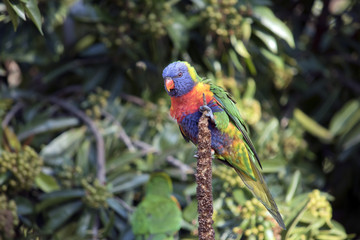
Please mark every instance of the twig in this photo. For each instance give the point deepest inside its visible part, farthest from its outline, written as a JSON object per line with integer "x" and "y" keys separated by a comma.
{"x": 184, "y": 169}
{"x": 100, "y": 146}
{"x": 203, "y": 180}
{"x": 125, "y": 205}
{"x": 136, "y": 100}
{"x": 121, "y": 134}
{"x": 11, "y": 114}
{"x": 95, "y": 228}
{"x": 145, "y": 147}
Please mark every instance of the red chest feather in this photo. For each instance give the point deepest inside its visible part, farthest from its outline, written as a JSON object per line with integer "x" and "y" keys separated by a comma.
{"x": 190, "y": 102}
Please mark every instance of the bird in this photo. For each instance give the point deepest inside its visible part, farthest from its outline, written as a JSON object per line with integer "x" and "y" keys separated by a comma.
{"x": 230, "y": 141}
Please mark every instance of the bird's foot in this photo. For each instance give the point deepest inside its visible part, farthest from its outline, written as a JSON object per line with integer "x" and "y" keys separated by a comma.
{"x": 208, "y": 112}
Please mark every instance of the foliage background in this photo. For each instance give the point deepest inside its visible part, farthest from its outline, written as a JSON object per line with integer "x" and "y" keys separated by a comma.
{"x": 80, "y": 85}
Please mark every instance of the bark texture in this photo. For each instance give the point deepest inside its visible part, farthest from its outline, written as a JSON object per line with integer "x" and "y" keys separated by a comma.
{"x": 204, "y": 181}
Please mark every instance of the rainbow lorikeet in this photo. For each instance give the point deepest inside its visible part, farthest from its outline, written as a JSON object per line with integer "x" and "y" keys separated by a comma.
{"x": 229, "y": 134}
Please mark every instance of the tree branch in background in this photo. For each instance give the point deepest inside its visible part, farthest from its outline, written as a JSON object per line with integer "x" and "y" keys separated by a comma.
{"x": 100, "y": 146}
{"x": 204, "y": 179}
{"x": 100, "y": 149}
{"x": 121, "y": 134}
{"x": 11, "y": 114}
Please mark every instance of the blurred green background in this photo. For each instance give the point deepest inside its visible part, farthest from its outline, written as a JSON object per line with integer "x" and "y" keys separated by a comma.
{"x": 85, "y": 118}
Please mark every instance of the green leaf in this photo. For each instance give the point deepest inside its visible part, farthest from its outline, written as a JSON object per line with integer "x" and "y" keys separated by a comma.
{"x": 293, "y": 186}
{"x": 190, "y": 212}
{"x": 352, "y": 138}
{"x": 12, "y": 14}
{"x": 116, "y": 164}
{"x": 12, "y": 139}
{"x": 57, "y": 197}
{"x": 67, "y": 231}
{"x": 270, "y": 126}
{"x": 235, "y": 60}
{"x": 273, "y": 58}
{"x": 4, "y": 177}
{"x": 149, "y": 218}
{"x": 24, "y": 206}
{"x": 49, "y": 125}
{"x": 312, "y": 126}
{"x": 82, "y": 157}
{"x": 46, "y": 182}
{"x": 239, "y": 196}
{"x": 294, "y": 218}
{"x": 56, "y": 72}
{"x": 18, "y": 7}
{"x": 33, "y": 12}
{"x": 267, "y": 18}
{"x": 178, "y": 32}
{"x": 159, "y": 184}
{"x": 136, "y": 181}
{"x": 239, "y": 47}
{"x": 274, "y": 165}
{"x": 60, "y": 214}
{"x": 84, "y": 223}
{"x": 63, "y": 142}
{"x": 117, "y": 207}
{"x": 345, "y": 118}
{"x": 268, "y": 40}
{"x": 246, "y": 29}
{"x": 338, "y": 228}
{"x": 107, "y": 221}
{"x": 251, "y": 66}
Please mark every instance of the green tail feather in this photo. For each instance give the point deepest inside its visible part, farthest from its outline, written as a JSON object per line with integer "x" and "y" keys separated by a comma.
{"x": 261, "y": 192}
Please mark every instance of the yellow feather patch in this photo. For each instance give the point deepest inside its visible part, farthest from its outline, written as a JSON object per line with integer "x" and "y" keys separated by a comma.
{"x": 191, "y": 71}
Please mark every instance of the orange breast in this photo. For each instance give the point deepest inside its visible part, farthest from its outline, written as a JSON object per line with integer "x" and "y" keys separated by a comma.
{"x": 190, "y": 102}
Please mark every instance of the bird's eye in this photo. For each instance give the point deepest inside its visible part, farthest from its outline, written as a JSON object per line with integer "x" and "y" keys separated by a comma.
{"x": 180, "y": 74}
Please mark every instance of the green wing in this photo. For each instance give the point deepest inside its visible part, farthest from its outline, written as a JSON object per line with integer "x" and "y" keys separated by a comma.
{"x": 255, "y": 184}
{"x": 228, "y": 104}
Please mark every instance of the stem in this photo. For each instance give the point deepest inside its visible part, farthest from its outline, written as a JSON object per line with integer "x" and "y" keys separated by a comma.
{"x": 203, "y": 180}
{"x": 11, "y": 114}
{"x": 100, "y": 146}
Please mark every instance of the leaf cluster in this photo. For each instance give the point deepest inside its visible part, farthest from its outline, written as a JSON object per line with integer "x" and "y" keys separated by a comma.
{"x": 87, "y": 98}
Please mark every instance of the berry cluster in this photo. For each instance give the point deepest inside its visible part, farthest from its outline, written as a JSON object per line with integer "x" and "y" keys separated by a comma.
{"x": 229, "y": 176}
{"x": 22, "y": 168}
{"x": 70, "y": 176}
{"x": 257, "y": 222}
{"x": 95, "y": 102}
{"x": 318, "y": 206}
{"x": 224, "y": 17}
{"x": 8, "y": 217}
{"x": 96, "y": 194}
{"x": 145, "y": 17}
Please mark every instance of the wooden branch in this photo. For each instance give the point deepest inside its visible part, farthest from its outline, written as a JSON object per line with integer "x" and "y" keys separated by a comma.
{"x": 204, "y": 179}
{"x": 11, "y": 114}
{"x": 100, "y": 146}
{"x": 121, "y": 134}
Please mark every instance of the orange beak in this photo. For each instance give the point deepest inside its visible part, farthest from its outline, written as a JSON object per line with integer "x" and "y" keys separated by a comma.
{"x": 169, "y": 83}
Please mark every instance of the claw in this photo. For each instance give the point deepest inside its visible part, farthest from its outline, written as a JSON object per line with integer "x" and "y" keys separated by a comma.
{"x": 208, "y": 112}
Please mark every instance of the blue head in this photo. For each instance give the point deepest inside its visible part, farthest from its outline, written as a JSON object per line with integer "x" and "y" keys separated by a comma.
{"x": 179, "y": 78}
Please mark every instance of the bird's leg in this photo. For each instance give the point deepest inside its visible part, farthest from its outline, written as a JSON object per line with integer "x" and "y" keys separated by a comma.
{"x": 212, "y": 154}
{"x": 207, "y": 110}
